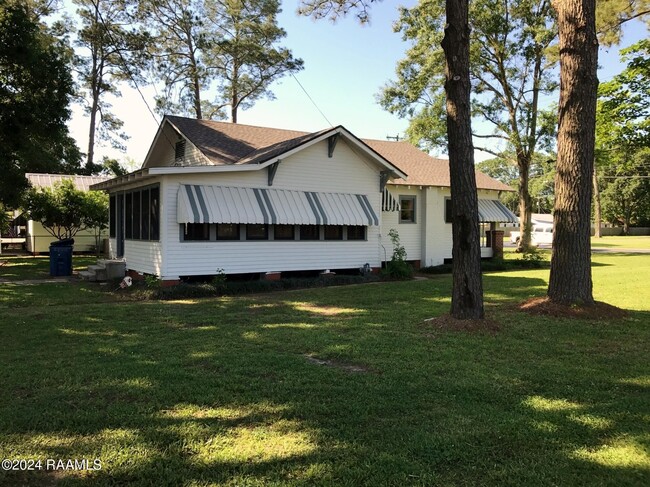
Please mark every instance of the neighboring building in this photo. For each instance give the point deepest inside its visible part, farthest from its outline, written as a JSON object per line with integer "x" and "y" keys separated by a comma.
{"x": 214, "y": 195}
{"x": 37, "y": 238}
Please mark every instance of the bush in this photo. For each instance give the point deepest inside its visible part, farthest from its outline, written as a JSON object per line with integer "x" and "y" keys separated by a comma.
{"x": 397, "y": 267}
{"x": 532, "y": 259}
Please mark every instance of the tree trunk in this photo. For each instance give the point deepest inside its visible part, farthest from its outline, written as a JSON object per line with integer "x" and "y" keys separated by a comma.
{"x": 570, "y": 280}
{"x": 525, "y": 205}
{"x": 597, "y": 211}
{"x": 467, "y": 287}
{"x": 234, "y": 94}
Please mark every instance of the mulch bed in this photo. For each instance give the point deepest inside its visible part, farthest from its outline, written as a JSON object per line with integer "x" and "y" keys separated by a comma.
{"x": 598, "y": 311}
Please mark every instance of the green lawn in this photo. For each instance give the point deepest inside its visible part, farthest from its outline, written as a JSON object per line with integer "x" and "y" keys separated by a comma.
{"x": 38, "y": 267}
{"x": 334, "y": 386}
{"x": 630, "y": 242}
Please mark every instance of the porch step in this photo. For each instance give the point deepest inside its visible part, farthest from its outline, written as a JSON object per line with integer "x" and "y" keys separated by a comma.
{"x": 104, "y": 270}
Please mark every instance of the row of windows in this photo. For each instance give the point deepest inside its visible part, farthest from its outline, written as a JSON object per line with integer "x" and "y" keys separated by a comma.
{"x": 135, "y": 214}
{"x": 233, "y": 231}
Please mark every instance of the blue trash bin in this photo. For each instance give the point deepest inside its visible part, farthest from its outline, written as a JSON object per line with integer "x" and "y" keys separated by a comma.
{"x": 61, "y": 257}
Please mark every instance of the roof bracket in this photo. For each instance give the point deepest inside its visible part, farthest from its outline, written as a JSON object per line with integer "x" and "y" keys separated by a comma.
{"x": 383, "y": 179}
{"x": 331, "y": 144}
{"x": 273, "y": 168}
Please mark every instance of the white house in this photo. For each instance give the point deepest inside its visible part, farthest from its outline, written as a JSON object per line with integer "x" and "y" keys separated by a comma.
{"x": 216, "y": 196}
{"x": 37, "y": 239}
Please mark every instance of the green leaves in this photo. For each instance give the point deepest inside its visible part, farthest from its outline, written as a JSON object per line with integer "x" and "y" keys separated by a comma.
{"x": 65, "y": 210}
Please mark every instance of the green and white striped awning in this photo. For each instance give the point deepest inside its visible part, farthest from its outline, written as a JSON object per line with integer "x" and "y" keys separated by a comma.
{"x": 225, "y": 204}
{"x": 494, "y": 211}
{"x": 388, "y": 201}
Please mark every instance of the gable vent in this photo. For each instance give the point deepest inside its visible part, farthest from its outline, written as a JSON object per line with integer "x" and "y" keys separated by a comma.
{"x": 179, "y": 152}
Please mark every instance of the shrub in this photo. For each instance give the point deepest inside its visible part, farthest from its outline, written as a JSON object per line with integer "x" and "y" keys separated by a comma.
{"x": 397, "y": 267}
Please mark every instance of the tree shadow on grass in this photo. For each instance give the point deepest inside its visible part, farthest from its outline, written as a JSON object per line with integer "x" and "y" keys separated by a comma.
{"x": 220, "y": 391}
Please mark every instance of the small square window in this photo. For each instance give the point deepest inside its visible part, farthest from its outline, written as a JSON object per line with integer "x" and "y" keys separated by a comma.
{"x": 284, "y": 232}
{"x": 333, "y": 232}
{"x": 309, "y": 232}
{"x": 356, "y": 232}
{"x": 257, "y": 232}
{"x": 227, "y": 231}
{"x": 407, "y": 209}
{"x": 196, "y": 231}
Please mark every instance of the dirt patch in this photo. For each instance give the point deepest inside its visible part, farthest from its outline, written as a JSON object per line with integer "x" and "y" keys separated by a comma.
{"x": 352, "y": 368}
{"x": 449, "y": 323}
{"x": 598, "y": 311}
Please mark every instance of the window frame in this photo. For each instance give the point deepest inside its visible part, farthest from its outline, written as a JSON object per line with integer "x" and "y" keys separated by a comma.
{"x": 413, "y": 199}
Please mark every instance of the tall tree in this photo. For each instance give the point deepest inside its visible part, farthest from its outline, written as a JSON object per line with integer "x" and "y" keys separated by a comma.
{"x": 467, "y": 287}
{"x": 245, "y": 58}
{"x": 622, "y": 129}
{"x": 225, "y": 45}
{"x": 570, "y": 279}
{"x": 36, "y": 88}
{"x": 113, "y": 52}
{"x": 180, "y": 40}
{"x": 510, "y": 65}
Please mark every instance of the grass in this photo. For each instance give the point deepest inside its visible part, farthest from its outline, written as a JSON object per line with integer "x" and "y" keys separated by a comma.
{"x": 335, "y": 386}
{"x": 629, "y": 242}
{"x": 38, "y": 267}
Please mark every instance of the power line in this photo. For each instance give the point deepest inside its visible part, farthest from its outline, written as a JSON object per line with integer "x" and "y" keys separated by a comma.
{"x": 310, "y": 99}
{"x": 125, "y": 65}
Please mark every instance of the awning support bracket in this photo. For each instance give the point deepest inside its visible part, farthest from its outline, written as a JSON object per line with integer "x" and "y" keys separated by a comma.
{"x": 331, "y": 144}
{"x": 273, "y": 168}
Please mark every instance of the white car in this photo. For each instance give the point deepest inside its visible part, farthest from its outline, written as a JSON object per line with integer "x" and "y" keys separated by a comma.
{"x": 539, "y": 235}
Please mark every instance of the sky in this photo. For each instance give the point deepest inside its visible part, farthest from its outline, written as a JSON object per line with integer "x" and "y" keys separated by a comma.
{"x": 346, "y": 66}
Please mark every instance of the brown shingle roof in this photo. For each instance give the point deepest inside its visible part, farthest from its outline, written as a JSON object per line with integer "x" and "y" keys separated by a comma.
{"x": 424, "y": 170}
{"x": 225, "y": 143}
{"x": 229, "y": 143}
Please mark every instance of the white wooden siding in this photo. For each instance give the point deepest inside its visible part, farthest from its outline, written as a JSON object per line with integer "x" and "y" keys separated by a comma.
{"x": 143, "y": 256}
{"x": 308, "y": 170}
{"x": 410, "y": 234}
{"x": 163, "y": 154}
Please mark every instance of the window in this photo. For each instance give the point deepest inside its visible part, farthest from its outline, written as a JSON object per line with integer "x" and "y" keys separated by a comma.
{"x": 284, "y": 232}
{"x": 145, "y": 215}
{"x": 128, "y": 211}
{"x": 333, "y": 232}
{"x": 196, "y": 231}
{"x": 141, "y": 219}
{"x": 309, "y": 232}
{"x": 448, "y": 217}
{"x": 356, "y": 232}
{"x": 407, "y": 209}
{"x": 136, "y": 215}
{"x": 154, "y": 221}
{"x": 179, "y": 151}
{"x": 112, "y": 216}
{"x": 257, "y": 232}
{"x": 227, "y": 231}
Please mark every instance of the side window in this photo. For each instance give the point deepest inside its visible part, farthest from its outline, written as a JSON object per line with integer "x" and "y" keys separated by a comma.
{"x": 448, "y": 210}
{"x": 407, "y": 209}
{"x": 196, "y": 231}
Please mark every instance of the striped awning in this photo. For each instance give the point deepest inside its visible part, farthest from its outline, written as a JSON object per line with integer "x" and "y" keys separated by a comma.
{"x": 494, "y": 211}
{"x": 225, "y": 204}
{"x": 388, "y": 201}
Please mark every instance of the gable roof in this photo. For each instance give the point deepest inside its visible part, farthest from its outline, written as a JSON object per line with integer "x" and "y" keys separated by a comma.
{"x": 230, "y": 143}
{"x": 83, "y": 183}
{"x": 424, "y": 170}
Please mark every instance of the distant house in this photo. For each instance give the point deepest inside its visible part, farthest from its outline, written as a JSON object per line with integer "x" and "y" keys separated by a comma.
{"x": 214, "y": 195}
{"x": 37, "y": 238}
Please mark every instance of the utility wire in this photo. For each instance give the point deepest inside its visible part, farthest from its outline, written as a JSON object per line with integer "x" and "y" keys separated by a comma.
{"x": 310, "y": 99}
{"x": 131, "y": 77}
